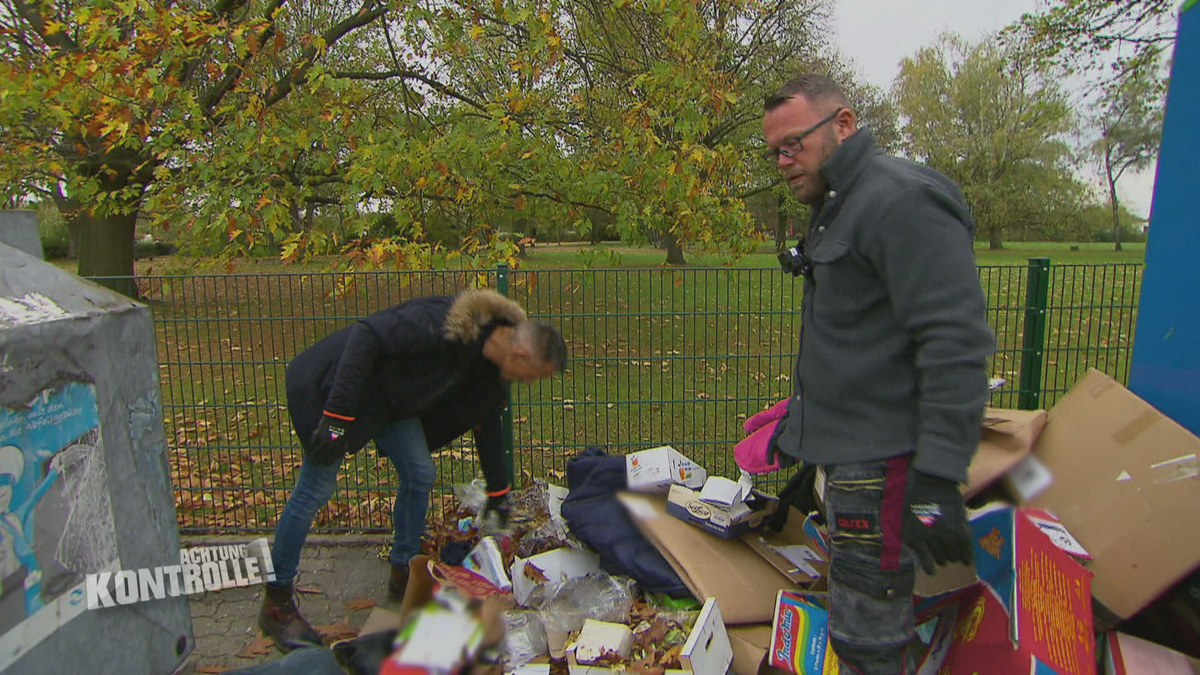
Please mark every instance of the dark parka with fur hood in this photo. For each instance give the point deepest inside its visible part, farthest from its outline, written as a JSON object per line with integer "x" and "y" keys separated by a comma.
{"x": 422, "y": 358}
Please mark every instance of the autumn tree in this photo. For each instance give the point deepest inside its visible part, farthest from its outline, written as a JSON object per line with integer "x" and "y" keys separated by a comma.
{"x": 1130, "y": 125}
{"x": 982, "y": 115}
{"x": 1099, "y": 38}
{"x": 107, "y": 106}
{"x": 246, "y": 119}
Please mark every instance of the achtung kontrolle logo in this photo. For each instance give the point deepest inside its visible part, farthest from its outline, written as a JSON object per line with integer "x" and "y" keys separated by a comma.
{"x": 200, "y": 569}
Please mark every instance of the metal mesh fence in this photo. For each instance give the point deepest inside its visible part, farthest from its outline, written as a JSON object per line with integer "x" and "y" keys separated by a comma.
{"x": 658, "y": 356}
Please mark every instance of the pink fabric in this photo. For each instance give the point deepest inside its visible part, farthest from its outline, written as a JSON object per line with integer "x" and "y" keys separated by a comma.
{"x": 771, "y": 414}
{"x": 752, "y": 452}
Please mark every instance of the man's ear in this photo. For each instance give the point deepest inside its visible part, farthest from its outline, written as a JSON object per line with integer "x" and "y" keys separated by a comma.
{"x": 845, "y": 124}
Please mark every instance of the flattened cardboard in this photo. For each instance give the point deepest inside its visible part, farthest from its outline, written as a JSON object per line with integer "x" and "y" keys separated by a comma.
{"x": 1126, "y": 484}
{"x": 1007, "y": 436}
{"x": 741, "y": 580}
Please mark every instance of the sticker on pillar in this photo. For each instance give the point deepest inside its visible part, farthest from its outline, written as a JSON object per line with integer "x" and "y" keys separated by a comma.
{"x": 56, "y": 523}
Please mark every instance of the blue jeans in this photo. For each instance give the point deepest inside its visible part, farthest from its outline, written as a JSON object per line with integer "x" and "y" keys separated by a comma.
{"x": 871, "y": 572}
{"x": 404, "y": 443}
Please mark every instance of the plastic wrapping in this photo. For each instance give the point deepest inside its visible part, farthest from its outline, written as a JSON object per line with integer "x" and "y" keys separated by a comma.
{"x": 565, "y": 606}
{"x": 545, "y": 537}
{"x": 472, "y": 496}
{"x": 530, "y": 503}
{"x": 524, "y": 637}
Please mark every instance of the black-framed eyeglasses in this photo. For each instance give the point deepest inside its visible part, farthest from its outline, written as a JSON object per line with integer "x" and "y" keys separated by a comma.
{"x": 793, "y": 145}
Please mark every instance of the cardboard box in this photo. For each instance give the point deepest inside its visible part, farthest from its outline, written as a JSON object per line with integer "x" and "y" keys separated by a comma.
{"x": 556, "y": 566}
{"x": 601, "y": 638}
{"x": 1006, "y": 438}
{"x": 1125, "y": 481}
{"x": 487, "y": 561}
{"x": 724, "y": 520}
{"x": 706, "y": 652}
{"x": 743, "y": 578}
{"x": 800, "y": 636}
{"x": 655, "y": 470}
{"x": 1031, "y": 614}
{"x": 1128, "y": 655}
{"x": 750, "y": 647}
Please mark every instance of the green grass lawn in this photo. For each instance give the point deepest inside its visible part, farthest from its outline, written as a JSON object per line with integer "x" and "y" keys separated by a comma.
{"x": 659, "y": 355}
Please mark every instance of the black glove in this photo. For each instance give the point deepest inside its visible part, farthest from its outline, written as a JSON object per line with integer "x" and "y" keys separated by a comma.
{"x": 328, "y": 442}
{"x": 797, "y": 493}
{"x": 500, "y": 506}
{"x": 935, "y": 522}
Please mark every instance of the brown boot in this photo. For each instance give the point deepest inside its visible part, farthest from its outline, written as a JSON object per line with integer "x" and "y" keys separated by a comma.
{"x": 280, "y": 619}
{"x": 397, "y": 584}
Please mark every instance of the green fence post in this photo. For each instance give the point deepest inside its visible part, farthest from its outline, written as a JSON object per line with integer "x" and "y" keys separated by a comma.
{"x": 506, "y": 422}
{"x": 1037, "y": 294}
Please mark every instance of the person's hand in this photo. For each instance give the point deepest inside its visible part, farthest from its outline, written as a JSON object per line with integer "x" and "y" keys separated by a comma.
{"x": 935, "y": 522}
{"x": 498, "y": 505}
{"x": 798, "y": 493}
{"x": 328, "y": 442}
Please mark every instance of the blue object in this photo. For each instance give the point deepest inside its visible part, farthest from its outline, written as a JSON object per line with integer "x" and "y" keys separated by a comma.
{"x": 1165, "y": 367}
{"x": 596, "y": 518}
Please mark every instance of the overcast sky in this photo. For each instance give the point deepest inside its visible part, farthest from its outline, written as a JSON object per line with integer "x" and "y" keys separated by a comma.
{"x": 876, "y": 34}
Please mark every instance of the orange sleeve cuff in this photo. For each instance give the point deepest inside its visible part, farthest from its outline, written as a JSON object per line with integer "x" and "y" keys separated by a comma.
{"x": 499, "y": 493}
{"x": 338, "y": 417}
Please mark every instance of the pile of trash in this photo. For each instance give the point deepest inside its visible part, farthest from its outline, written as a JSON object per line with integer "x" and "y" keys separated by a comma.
{"x": 1086, "y": 562}
{"x": 528, "y": 597}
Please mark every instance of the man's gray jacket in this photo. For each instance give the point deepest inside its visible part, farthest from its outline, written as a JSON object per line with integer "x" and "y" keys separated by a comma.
{"x": 894, "y": 344}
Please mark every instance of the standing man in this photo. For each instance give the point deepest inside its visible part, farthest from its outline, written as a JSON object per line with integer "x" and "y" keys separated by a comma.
{"x": 412, "y": 377}
{"x": 891, "y": 374}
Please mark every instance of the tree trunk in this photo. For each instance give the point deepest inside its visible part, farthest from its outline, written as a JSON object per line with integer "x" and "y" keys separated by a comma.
{"x": 995, "y": 242}
{"x": 67, "y": 208}
{"x": 1112, "y": 200}
{"x": 781, "y": 227}
{"x": 674, "y": 250}
{"x": 73, "y": 237}
{"x": 106, "y": 250}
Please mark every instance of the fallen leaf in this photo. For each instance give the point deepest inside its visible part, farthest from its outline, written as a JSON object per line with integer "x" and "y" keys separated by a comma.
{"x": 337, "y": 631}
{"x": 671, "y": 658}
{"x": 536, "y": 574}
{"x": 257, "y": 647}
{"x": 359, "y": 603}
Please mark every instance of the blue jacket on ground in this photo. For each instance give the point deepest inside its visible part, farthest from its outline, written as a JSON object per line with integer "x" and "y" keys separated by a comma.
{"x": 596, "y": 518}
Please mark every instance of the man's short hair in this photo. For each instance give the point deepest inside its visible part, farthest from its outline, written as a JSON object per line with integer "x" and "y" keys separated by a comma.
{"x": 813, "y": 87}
{"x": 544, "y": 342}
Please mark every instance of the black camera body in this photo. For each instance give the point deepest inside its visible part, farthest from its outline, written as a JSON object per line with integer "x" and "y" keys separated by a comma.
{"x": 795, "y": 260}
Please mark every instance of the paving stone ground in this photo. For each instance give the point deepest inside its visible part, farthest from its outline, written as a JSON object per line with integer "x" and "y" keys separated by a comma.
{"x": 340, "y": 571}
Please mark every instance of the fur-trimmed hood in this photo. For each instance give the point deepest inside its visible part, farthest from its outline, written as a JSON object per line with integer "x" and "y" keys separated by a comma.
{"x": 476, "y": 308}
